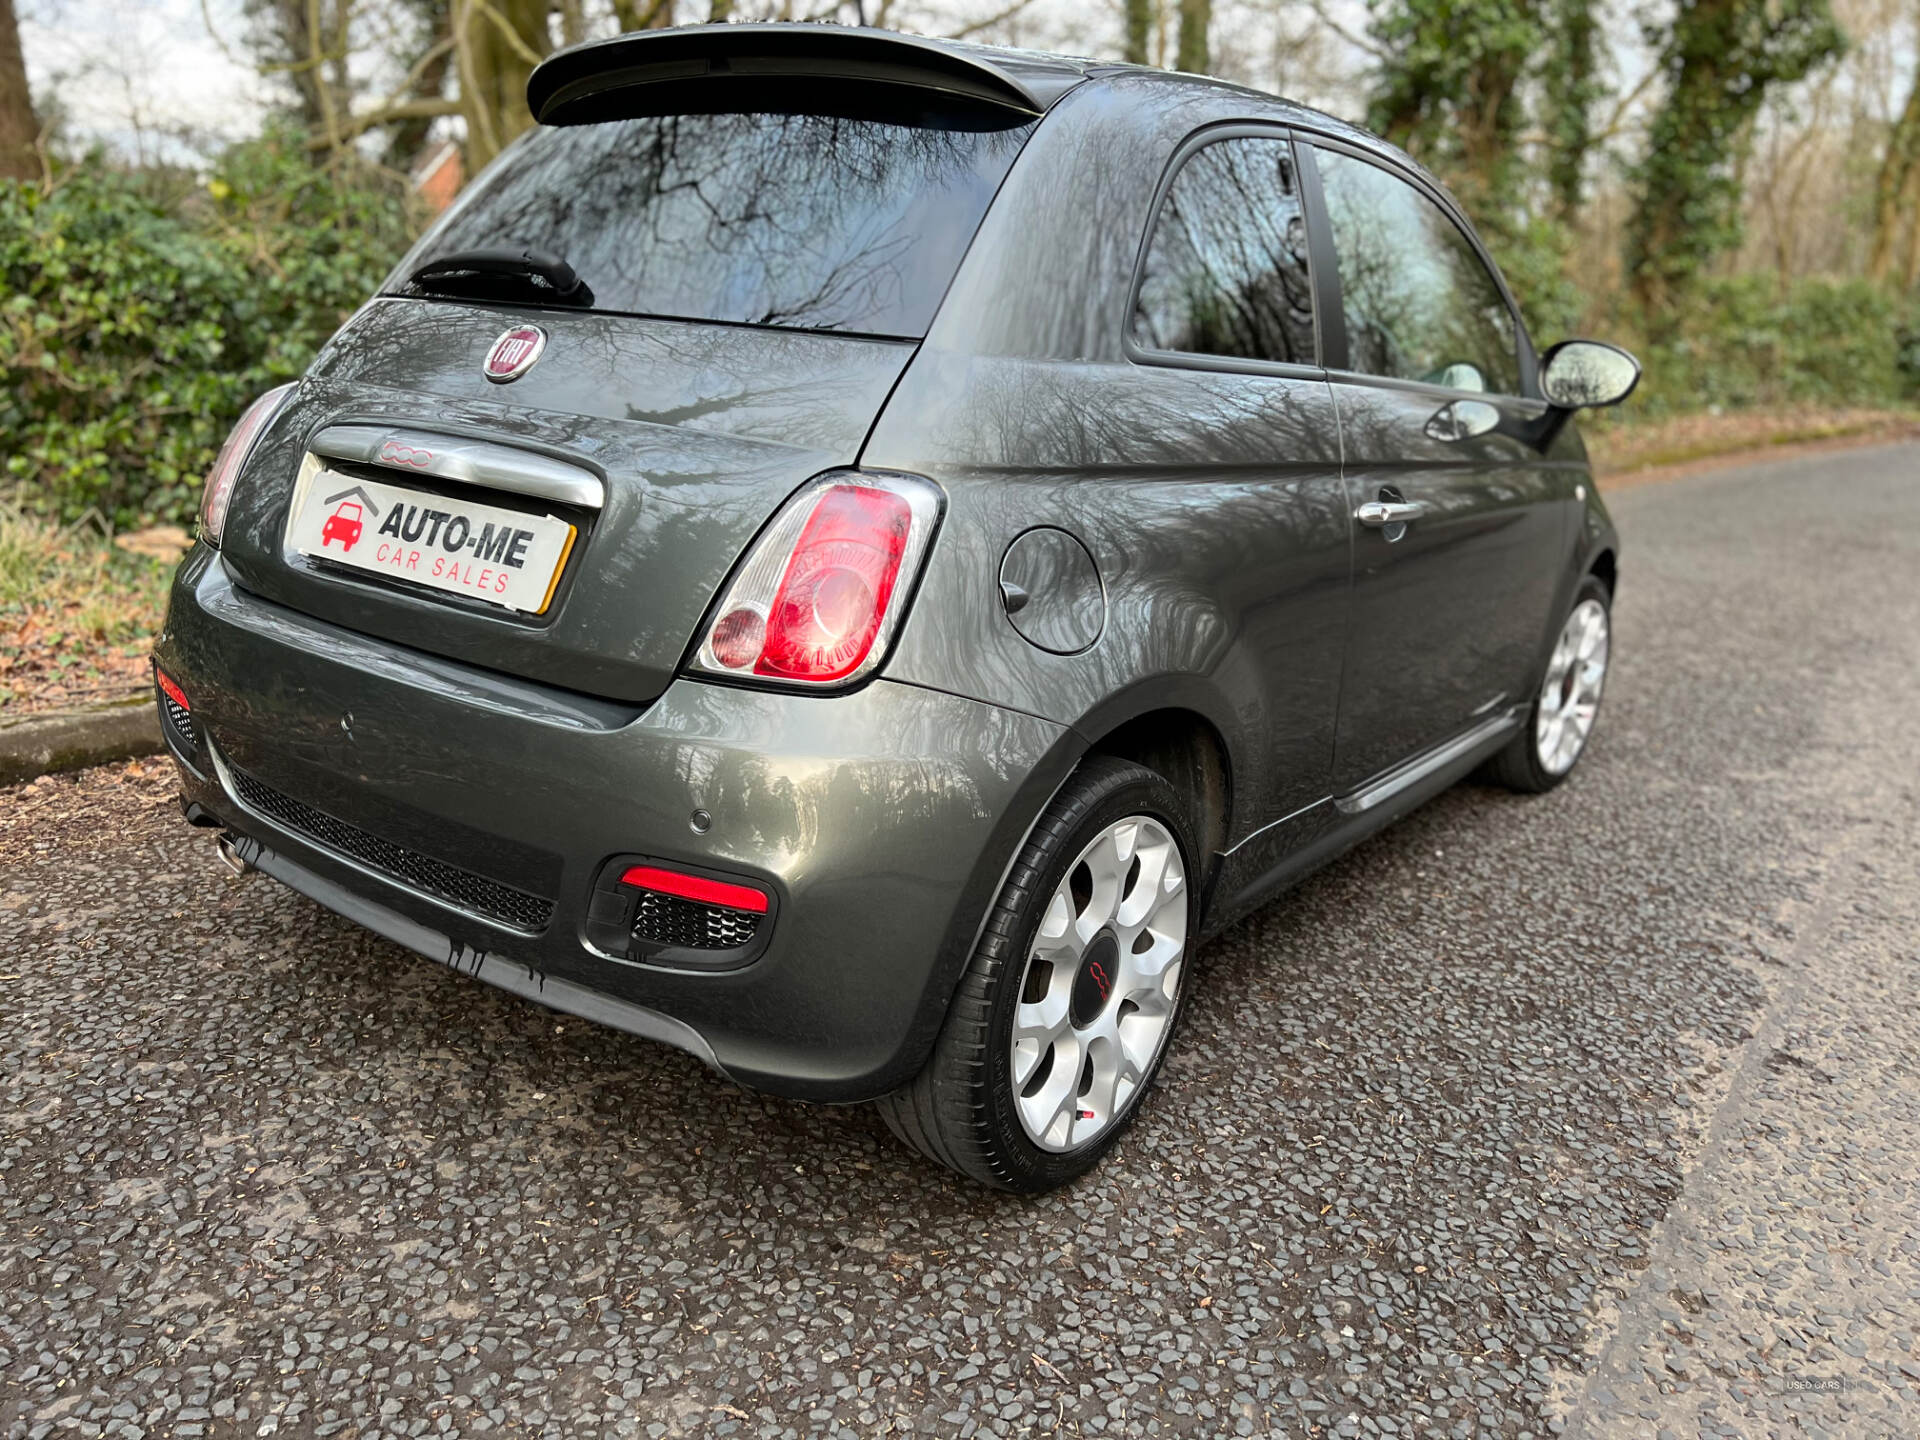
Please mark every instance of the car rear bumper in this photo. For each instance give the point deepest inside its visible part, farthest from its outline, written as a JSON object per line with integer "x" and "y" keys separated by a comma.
{"x": 467, "y": 815}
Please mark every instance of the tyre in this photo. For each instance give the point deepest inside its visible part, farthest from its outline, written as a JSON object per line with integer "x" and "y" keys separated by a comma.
{"x": 1067, "y": 1005}
{"x": 1561, "y": 721}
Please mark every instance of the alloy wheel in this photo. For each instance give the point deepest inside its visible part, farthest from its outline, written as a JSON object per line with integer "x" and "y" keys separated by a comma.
{"x": 1101, "y": 984}
{"x": 1570, "y": 695}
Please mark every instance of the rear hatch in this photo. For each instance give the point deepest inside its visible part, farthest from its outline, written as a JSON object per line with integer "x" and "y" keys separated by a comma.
{"x": 752, "y": 285}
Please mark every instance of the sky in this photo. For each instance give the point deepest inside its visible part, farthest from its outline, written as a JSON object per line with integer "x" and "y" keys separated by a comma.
{"x": 139, "y": 75}
{"x": 126, "y": 72}
{"x": 170, "y": 79}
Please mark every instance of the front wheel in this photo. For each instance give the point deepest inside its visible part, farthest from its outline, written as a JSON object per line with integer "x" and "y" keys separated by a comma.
{"x": 1066, "y": 1008}
{"x": 1563, "y": 714}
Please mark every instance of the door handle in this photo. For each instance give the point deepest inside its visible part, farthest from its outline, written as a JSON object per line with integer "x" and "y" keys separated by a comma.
{"x": 1381, "y": 513}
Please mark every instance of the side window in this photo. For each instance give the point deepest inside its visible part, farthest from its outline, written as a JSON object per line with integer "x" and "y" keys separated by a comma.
{"x": 1420, "y": 304}
{"x": 1227, "y": 265}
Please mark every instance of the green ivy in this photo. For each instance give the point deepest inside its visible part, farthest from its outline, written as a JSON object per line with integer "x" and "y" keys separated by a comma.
{"x": 133, "y": 331}
{"x": 1720, "y": 59}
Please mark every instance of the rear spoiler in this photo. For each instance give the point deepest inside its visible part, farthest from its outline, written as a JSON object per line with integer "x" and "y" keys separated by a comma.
{"x": 654, "y": 71}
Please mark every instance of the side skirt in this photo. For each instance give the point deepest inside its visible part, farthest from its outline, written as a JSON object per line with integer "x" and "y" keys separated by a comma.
{"x": 1281, "y": 855}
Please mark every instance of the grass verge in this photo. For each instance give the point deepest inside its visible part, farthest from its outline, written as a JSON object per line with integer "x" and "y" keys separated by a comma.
{"x": 77, "y": 614}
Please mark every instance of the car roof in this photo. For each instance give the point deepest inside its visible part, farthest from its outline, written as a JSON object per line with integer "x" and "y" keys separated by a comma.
{"x": 575, "y": 84}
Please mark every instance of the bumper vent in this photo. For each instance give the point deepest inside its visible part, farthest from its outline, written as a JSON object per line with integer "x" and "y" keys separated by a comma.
{"x": 490, "y": 899}
{"x": 690, "y": 925}
{"x": 179, "y": 719}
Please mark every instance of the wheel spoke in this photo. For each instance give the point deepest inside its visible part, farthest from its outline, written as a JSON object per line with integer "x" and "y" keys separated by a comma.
{"x": 1045, "y": 1110}
{"x": 1158, "y": 882}
{"x": 1100, "y": 1095}
{"x": 1107, "y": 866}
{"x": 1141, "y": 974}
{"x": 1058, "y": 938}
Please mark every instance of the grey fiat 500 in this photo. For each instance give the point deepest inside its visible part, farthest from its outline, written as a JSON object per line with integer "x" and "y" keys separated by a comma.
{"x": 850, "y": 555}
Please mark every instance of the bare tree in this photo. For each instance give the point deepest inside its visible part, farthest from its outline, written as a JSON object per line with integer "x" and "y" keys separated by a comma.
{"x": 1896, "y": 194}
{"x": 498, "y": 43}
{"x": 1140, "y": 16}
{"x": 19, "y": 130}
{"x": 1193, "y": 53}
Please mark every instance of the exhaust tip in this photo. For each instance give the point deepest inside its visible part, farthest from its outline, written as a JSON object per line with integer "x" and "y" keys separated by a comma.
{"x": 227, "y": 848}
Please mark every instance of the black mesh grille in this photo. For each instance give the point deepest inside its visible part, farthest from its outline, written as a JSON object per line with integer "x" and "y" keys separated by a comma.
{"x": 179, "y": 718}
{"x": 691, "y": 925}
{"x": 422, "y": 872}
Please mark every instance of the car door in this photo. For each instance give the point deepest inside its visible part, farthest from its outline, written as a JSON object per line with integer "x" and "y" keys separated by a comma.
{"x": 1460, "y": 520}
{"x": 1227, "y": 295}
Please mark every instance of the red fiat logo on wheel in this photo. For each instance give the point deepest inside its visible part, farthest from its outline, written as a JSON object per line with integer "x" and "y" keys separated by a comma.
{"x": 344, "y": 525}
{"x": 513, "y": 353}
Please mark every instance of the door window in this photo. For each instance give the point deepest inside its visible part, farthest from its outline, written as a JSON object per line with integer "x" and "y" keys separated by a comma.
{"x": 1420, "y": 303}
{"x": 1227, "y": 265}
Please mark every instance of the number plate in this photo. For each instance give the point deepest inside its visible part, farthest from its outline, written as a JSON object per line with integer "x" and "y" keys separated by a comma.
{"x": 504, "y": 557}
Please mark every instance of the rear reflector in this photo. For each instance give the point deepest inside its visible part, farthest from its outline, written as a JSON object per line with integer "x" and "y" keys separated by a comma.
{"x": 173, "y": 691}
{"x": 694, "y": 887}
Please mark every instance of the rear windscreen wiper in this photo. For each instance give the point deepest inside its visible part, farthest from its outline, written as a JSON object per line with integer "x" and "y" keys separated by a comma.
{"x": 466, "y": 272}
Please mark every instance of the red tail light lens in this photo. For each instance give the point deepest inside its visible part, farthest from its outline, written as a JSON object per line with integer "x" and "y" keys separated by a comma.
{"x": 695, "y": 887}
{"x": 820, "y": 594}
{"x": 836, "y": 586}
{"x": 233, "y": 454}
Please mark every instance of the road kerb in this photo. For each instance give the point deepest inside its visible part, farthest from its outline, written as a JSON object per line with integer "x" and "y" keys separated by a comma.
{"x": 41, "y": 744}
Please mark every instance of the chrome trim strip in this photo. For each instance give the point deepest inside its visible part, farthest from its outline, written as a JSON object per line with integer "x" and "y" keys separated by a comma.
{"x": 475, "y": 462}
{"x": 1413, "y": 771}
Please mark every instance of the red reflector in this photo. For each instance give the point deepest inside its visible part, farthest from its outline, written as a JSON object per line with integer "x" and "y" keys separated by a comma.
{"x": 174, "y": 692}
{"x": 692, "y": 887}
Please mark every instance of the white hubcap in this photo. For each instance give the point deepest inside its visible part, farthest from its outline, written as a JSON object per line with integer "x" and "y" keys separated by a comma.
{"x": 1100, "y": 985}
{"x": 1570, "y": 696}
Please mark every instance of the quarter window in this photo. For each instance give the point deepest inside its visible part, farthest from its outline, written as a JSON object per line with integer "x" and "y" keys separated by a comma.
{"x": 1227, "y": 266}
{"x": 1420, "y": 303}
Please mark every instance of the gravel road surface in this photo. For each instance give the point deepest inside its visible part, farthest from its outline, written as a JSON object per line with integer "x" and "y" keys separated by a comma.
{"x": 1595, "y": 1114}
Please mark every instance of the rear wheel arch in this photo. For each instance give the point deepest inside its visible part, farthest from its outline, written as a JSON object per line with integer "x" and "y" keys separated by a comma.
{"x": 1189, "y": 752}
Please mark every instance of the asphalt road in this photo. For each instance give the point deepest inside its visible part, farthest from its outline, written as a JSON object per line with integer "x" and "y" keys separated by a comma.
{"x": 1593, "y": 1114}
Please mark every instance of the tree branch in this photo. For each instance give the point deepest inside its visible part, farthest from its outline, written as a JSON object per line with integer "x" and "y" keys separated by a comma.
{"x": 987, "y": 24}
{"x": 386, "y": 114}
{"x": 1359, "y": 42}
{"x": 520, "y": 47}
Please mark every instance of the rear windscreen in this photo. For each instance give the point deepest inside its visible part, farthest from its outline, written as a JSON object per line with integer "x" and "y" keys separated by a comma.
{"x": 810, "y": 221}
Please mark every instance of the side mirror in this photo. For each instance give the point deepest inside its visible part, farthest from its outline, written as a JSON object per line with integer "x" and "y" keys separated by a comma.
{"x": 1578, "y": 374}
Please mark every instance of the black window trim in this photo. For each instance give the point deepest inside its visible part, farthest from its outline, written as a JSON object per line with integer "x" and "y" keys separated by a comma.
{"x": 1326, "y": 261}
{"x": 1139, "y": 354}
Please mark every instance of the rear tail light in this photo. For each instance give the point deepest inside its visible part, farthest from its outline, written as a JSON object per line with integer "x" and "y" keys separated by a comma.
{"x": 233, "y": 455}
{"x": 820, "y": 594}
